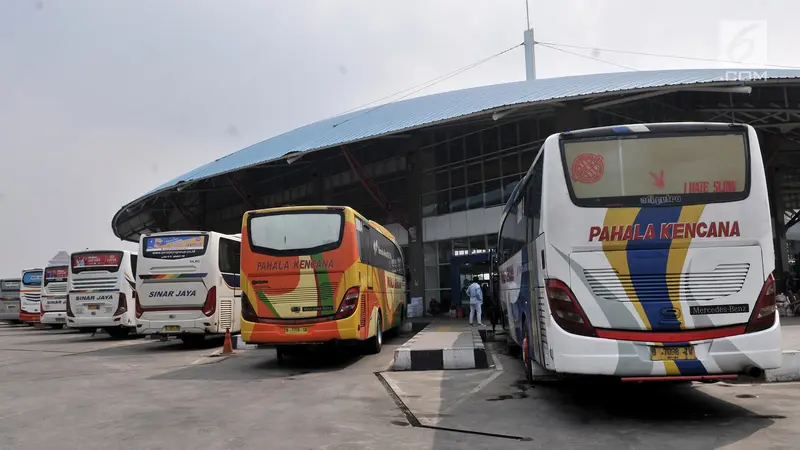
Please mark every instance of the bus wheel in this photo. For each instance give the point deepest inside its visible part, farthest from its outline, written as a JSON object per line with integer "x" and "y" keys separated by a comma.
{"x": 526, "y": 358}
{"x": 118, "y": 332}
{"x": 374, "y": 344}
{"x": 87, "y": 330}
{"x": 57, "y": 326}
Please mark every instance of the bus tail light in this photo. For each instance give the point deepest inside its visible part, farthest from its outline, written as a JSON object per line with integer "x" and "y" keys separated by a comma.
{"x": 349, "y": 303}
{"x": 122, "y": 305}
{"x": 139, "y": 310}
{"x": 566, "y": 310}
{"x": 763, "y": 316}
{"x": 210, "y": 305}
{"x": 248, "y": 313}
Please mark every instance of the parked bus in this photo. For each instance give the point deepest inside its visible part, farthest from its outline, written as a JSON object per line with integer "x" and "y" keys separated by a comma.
{"x": 317, "y": 274}
{"x": 9, "y": 299}
{"x": 54, "y": 291}
{"x": 642, "y": 252}
{"x": 188, "y": 285}
{"x": 101, "y": 292}
{"x": 30, "y": 296}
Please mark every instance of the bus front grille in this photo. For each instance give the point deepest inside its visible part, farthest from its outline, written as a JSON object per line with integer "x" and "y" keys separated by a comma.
{"x": 225, "y": 314}
{"x": 724, "y": 280}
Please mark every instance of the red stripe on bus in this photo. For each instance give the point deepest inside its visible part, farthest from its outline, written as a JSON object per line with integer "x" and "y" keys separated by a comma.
{"x": 682, "y": 378}
{"x": 671, "y": 336}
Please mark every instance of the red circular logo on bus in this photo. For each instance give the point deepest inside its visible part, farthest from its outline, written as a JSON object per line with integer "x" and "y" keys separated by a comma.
{"x": 588, "y": 168}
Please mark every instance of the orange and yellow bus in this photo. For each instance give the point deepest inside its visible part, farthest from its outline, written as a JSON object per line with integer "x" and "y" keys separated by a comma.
{"x": 319, "y": 274}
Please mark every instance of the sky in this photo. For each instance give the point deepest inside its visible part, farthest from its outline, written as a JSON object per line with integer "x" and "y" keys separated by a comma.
{"x": 103, "y": 100}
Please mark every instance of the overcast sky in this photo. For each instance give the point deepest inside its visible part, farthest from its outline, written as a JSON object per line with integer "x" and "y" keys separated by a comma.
{"x": 102, "y": 100}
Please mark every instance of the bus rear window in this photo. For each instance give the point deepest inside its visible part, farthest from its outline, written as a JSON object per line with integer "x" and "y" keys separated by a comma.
{"x": 32, "y": 278}
{"x": 296, "y": 232}
{"x": 55, "y": 275}
{"x": 9, "y": 285}
{"x": 175, "y": 247}
{"x": 96, "y": 261}
{"x": 643, "y": 170}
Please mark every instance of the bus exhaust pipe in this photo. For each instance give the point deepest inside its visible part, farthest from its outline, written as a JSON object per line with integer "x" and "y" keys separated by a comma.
{"x": 754, "y": 372}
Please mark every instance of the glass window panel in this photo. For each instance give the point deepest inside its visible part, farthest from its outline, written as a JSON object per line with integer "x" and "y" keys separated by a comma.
{"x": 475, "y": 196}
{"x": 445, "y": 251}
{"x": 527, "y": 159}
{"x": 473, "y": 143}
{"x": 440, "y": 154}
{"x": 510, "y": 164}
{"x": 458, "y": 199}
{"x": 477, "y": 244}
{"x": 491, "y": 241}
{"x": 494, "y": 193}
{"x": 442, "y": 180}
{"x": 457, "y": 150}
{"x": 474, "y": 174}
{"x": 490, "y": 141}
{"x": 429, "y": 253}
{"x": 508, "y": 135}
{"x": 431, "y": 278}
{"x": 444, "y": 277}
{"x": 429, "y": 205}
{"x": 491, "y": 169}
{"x": 428, "y": 183}
{"x": 508, "y": 187}
{"x": 460, "y": 247}
{"x": 458, "y": 176}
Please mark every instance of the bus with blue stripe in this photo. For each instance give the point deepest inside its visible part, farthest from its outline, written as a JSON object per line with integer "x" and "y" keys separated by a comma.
{"x": 642, "y": 252}
{"x": 188, "y": 285}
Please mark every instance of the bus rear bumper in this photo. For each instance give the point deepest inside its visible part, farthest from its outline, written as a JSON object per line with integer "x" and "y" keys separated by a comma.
{"x": 272, "y": 334}
{"x": 100, "y": 322}
{"x": 203, "y": 325}
{"x": 29, "y": 317}
{"x": 54, "y": 317}
{"x": 737, "y": 354}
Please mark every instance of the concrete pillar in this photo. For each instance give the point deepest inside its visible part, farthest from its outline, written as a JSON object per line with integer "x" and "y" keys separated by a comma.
{"x": 416, "y": 255}
{"x": 573, "y": 117}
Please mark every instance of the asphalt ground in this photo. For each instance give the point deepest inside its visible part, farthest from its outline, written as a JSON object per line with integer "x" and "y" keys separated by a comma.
{"x": 61, "y": 389}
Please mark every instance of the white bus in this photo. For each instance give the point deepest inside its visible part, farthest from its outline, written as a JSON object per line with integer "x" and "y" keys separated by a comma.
{"x": 188, "y": 285}
{"x": 9, "y": 299}
{"x": 54, "y": 291}
{"x": 642, "y": 252}
{"x": 101, "y": 291}
{"x": 30, "y": 296}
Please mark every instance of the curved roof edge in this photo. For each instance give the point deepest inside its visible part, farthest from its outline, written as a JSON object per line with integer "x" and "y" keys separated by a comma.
{"x": 418, "y": 112}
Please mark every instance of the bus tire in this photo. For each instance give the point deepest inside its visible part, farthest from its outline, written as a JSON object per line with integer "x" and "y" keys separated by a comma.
{"x": 526, "y": 357}
{"x": 87, "y": 330}
{"x": 57, "y": 326}
{"x": 118, "y": 332}
{"x": 374, "y": 344}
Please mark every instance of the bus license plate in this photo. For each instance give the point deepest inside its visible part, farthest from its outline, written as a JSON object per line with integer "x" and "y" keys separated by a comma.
{"x": 61, "y": 319}
{"x": 92, "y": 306}
{"x": 297, "y": 330}
{"x": 12, "y": 306}
{"x": 672, "y": 353}
{"x": 172, "y": 328}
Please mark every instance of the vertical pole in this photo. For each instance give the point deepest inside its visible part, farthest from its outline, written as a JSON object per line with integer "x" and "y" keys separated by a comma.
{"x": 530, "y": 56}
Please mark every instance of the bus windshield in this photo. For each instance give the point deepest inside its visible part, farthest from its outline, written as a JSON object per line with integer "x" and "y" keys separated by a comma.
{"x": 639, "y": 170}
{"x": 96, "y": 261}
{"x": 175, "y": 246}
{"x": 295, "y": 232}
{"x": 33, "y": 278}
{"x": 55, "y": 275}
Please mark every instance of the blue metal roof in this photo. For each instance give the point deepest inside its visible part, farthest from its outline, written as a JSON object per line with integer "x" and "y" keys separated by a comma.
{"x": 422, "y": 111}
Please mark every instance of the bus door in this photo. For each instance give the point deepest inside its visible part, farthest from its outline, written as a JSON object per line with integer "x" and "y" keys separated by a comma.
{"x": 230, "y": 297}
{"x": 365, "y": 274}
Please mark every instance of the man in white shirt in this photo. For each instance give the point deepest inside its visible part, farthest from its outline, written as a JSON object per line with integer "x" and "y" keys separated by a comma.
{"x": 475, "y": 301}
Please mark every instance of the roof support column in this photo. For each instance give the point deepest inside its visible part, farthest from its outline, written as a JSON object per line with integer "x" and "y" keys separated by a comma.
{"x": 416, "y": 249}
{"x": 770, "y": 144}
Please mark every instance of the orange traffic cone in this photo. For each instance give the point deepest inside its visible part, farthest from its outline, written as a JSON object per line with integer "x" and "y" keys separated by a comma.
{"x": 227, "y": 347}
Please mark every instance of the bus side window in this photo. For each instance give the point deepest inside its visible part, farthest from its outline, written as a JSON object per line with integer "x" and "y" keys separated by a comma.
{"x": 364, "y": 246}
{"x": 134, "y": 262}
{"x": 229, "y": 256}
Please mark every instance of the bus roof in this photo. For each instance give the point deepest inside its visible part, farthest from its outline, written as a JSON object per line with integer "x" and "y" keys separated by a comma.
{"x": 180, "y": 232}
{"x": 101, "y": 250}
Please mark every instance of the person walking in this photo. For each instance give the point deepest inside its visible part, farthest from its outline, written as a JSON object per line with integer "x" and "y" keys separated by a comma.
{"x": 475, "y": 301}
